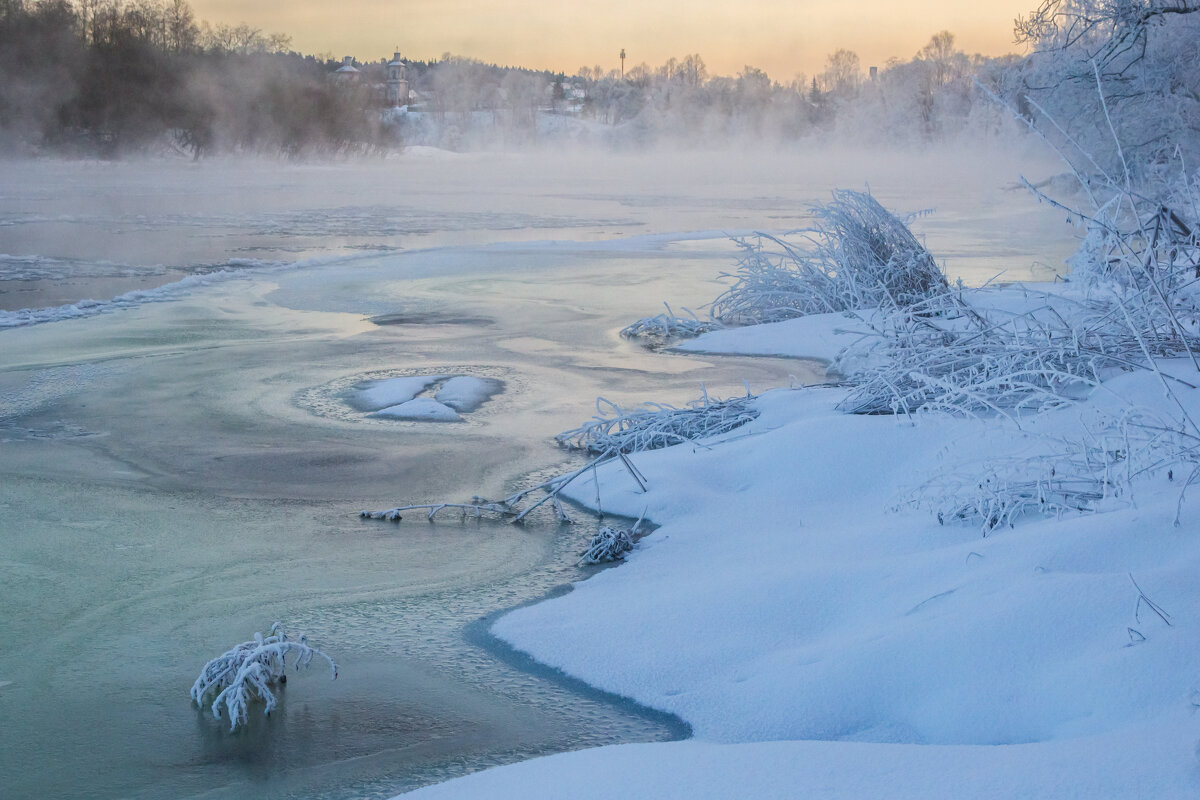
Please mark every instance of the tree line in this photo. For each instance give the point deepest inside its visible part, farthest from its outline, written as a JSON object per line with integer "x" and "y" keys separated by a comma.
{"x": 112, "y": 77}
{"x": 126, "y": 76}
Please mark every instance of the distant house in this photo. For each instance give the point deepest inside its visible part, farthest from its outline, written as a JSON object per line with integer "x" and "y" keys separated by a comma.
{"x": 392, "y": 91}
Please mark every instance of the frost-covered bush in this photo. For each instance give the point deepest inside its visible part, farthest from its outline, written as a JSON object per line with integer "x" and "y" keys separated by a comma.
{"x": 654, "y": 426}
{"x": 663, "y": 329}
{"x": 951, "y": 355}
{"x": 245, "y": 674}
{"x": 857, "y": 256}
{"x": 609, "y": 544}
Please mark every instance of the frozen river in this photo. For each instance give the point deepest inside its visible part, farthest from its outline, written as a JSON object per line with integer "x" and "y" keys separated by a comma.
{"x": 181, "y": 468}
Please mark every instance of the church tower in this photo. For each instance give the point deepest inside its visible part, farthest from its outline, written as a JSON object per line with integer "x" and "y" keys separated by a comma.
{"x": 397, "y": 84}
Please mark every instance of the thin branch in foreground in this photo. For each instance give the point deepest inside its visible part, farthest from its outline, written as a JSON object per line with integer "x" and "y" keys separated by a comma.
{"x": 1155, "y": 607}
{"x": 510, "y": 507}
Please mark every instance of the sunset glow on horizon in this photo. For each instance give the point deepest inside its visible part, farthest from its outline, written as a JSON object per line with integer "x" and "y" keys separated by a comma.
{"x": 782, "y": 37}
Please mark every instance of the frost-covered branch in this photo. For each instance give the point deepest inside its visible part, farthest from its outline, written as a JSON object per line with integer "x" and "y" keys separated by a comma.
{"x": 510, "y": 508}
{"x": 1142, "y": 54}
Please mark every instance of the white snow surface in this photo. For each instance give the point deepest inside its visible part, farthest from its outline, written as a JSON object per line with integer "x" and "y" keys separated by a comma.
{"x": 424, "y": 409}
{"x": 826, "y": 638}
{"x": 466, "y": 393}
{"x": 820, "y": 336}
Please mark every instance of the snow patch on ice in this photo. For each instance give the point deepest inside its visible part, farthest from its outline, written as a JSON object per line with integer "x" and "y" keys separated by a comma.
{"x": 379, "y": 395}
{"x": 424, "y": 409}
{"x": 436, "y": 397}
{"x": 820, "y": 336}
{"x": 466, "y": 393}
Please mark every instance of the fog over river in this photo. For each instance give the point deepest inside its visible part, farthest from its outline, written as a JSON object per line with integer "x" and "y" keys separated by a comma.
{"x": 181, "y": 464}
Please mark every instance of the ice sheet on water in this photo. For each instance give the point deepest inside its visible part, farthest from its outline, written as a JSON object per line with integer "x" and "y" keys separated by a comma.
{"x": 233, "y": 269}
{"x": 455, "y": 393}
{"x": 37, "y": 268}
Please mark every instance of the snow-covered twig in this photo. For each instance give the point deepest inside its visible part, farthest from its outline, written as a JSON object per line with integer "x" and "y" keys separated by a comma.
{"x": 1067, "y": 476}
{"x": 654, "y": 425}
{"x": 609, "y": 544}
{"x": 510, "y": 507}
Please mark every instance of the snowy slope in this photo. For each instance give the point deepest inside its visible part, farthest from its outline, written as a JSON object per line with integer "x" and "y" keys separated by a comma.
{"x": 826, "y": 637}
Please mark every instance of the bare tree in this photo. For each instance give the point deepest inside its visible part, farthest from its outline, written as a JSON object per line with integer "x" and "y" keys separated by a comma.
{"x": 1104, "y": 72}
{"x": 843, "y": 74}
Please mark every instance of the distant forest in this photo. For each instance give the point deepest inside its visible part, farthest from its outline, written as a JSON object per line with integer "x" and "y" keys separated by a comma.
{"x": 118, "y": 77}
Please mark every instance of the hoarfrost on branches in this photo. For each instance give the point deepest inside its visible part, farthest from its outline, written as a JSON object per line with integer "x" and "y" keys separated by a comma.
{"x": 245, "y": 674}
{"x": 951, "y": 355}
{"x": 1142, "y": 56}
{"x": 510, "y": 508}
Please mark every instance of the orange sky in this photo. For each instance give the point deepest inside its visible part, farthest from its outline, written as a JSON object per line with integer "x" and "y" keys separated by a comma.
{"x": 782, "y": 37}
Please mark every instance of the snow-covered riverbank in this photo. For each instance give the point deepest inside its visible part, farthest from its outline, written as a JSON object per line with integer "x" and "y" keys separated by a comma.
{"x": 803, "y": 609}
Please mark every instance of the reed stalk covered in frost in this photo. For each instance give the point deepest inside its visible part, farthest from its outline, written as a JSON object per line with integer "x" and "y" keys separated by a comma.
{"x": 858, "y": 255}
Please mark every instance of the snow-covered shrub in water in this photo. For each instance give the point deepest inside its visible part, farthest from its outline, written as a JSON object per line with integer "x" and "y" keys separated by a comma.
{"x": 609, "y": 544}
{"x": 654, "y": 425}
{"x": 663, "y": 329}
{"x": 857, "y": 256}
{"x": 233, "y": 680}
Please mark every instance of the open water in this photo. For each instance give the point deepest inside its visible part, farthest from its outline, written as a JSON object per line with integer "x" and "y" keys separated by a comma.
{"x": 180, "y": 468}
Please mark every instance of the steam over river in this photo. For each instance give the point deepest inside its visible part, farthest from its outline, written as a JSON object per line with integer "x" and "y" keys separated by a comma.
{"x": 181, "y": 467}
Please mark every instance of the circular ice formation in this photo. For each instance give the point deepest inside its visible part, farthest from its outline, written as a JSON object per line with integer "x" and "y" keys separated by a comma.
{"x": 408, "y": 397}
{"x": 440, "y": 395}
